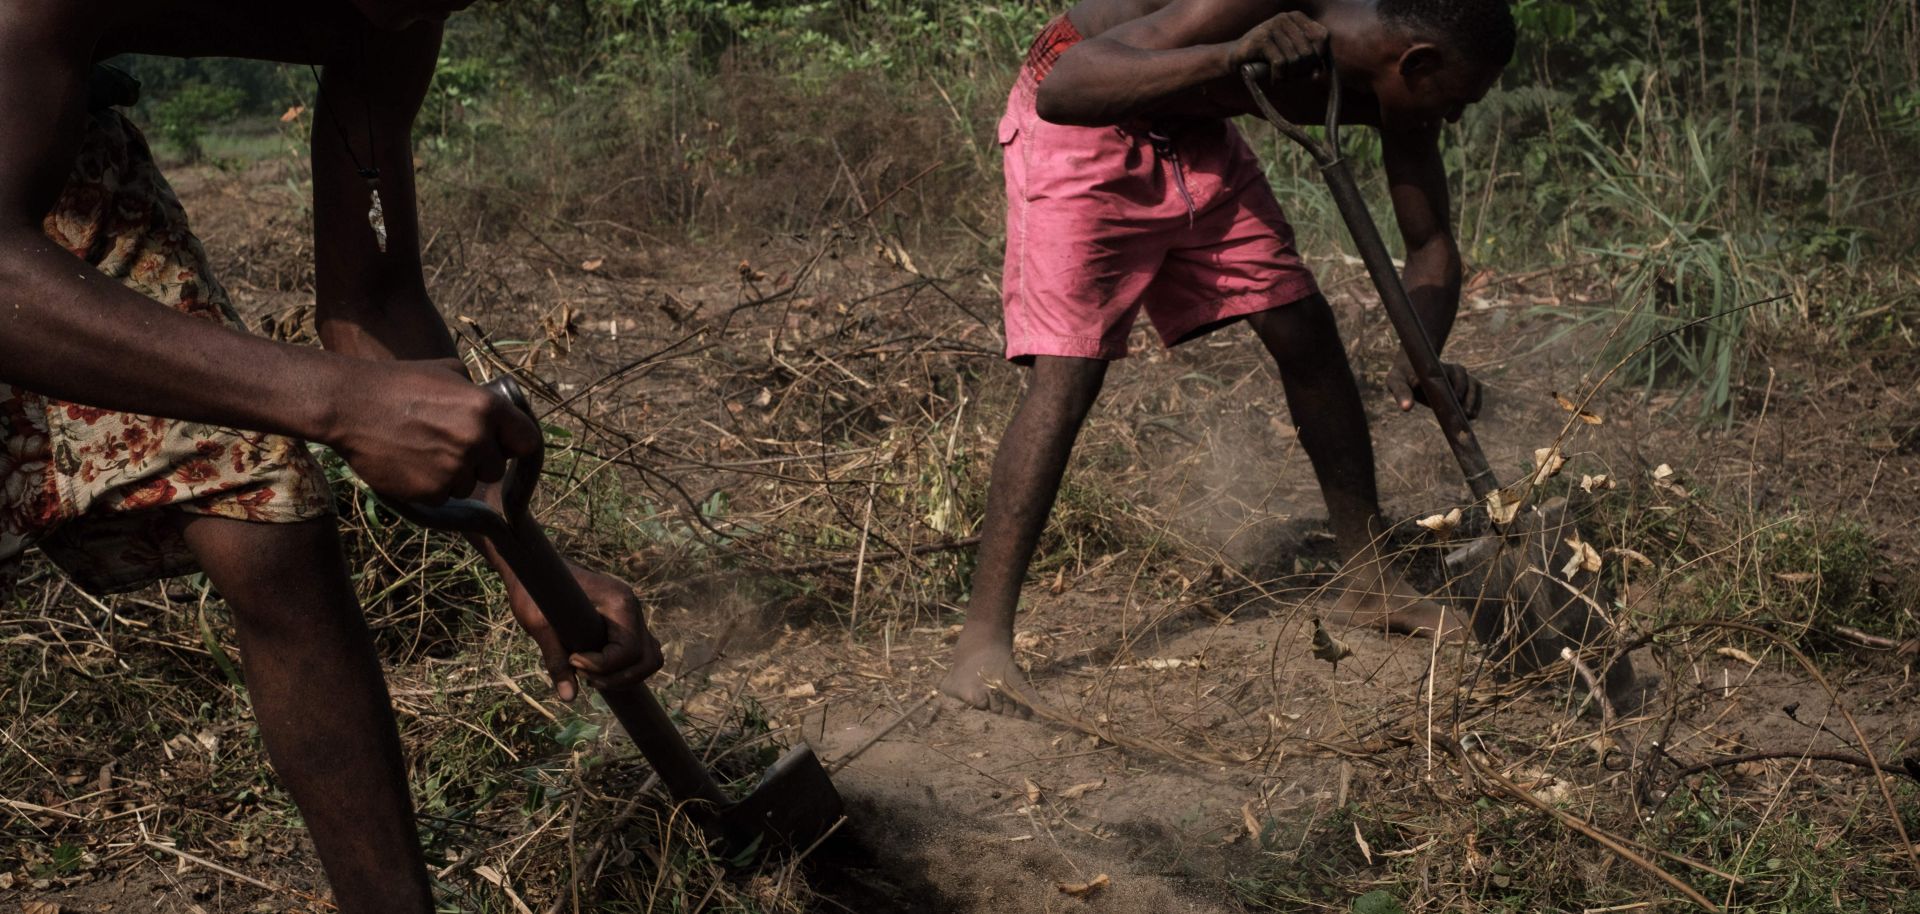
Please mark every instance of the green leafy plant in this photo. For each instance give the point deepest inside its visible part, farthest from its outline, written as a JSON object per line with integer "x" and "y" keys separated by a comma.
{"x": 184, "y": 115}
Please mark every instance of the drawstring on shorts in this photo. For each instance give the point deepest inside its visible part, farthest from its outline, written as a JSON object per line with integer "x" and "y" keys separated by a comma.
{"x": 1163, "y": 148}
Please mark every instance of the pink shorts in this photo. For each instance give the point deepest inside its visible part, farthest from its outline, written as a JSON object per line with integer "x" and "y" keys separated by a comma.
{"x": 1102, "y": 221}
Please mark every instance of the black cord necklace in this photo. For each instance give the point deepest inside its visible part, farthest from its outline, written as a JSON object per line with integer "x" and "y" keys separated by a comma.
{"x": 376, "y": 213}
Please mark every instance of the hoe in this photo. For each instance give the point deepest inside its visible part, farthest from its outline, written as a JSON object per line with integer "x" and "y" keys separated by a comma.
{"x": 1513, "y": 581}
{"x": 795, "y": 803}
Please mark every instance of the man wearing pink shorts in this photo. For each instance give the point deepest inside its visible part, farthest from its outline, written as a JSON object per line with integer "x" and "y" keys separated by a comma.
{"x": 1128, "y": 189}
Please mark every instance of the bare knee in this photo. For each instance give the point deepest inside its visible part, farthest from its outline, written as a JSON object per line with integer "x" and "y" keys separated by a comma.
{"x": 1304, "y": 330}
{"x": 274, "y": 573}
{"x": 1064, "y": 387}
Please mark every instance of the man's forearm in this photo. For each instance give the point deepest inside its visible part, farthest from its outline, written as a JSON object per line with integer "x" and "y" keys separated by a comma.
{"x": 401, "y": 325}
{"x": 69, "y": 332}
{"x": 1432, "y": 278}
{"x": 1101, "y": 82}
{"x": 371, "y": 302}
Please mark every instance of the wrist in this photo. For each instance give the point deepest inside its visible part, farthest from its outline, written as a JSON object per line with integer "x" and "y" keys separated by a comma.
{"x": 324, "y": 416}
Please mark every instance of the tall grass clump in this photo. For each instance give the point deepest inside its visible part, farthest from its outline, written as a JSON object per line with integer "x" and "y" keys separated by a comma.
{"x": 1687, "y": 267}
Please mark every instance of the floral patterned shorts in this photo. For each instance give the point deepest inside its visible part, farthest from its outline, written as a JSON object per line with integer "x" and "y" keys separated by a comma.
{"x": 101, "y": 493}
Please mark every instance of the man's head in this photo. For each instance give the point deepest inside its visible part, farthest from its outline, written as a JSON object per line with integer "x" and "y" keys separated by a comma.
{"x": 398, "y": 14}
{"x": 1439, "y": 56}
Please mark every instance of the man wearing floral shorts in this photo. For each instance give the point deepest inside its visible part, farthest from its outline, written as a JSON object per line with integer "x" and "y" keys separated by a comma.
{"x": 1129, "y": 190}
{"x": 144, "y": 434}
{"x": 98, "y": 490}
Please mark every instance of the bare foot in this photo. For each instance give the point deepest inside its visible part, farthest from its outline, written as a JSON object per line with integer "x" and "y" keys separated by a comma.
{"x": 984, "y": 676}
{"x": 1374, "y": 595}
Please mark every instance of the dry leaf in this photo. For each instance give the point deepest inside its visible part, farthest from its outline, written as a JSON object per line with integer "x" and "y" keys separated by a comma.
{"x": 1083, "y": 889}
{"x": 803, "y": 690}
{"x": 1501, "y": 507}
{"x": 39, "y": 907}
{"x": 1663, "y": 479}
{"x": 1793, "y": 577}
{"x": 1631, "y": 556}
{"x": 1173, "y": 663}
{"x": 1737, "y": 654}
{"x": 1366, "y": 850}
{"x": 593, "y": 264}
{"x": 1327, "y": 647}
{"x": 1547, "y": 462}
{"x": 1251, "y": 821}
{"x": 293, "y": 114}
{"x": 1552, "y": 790}
{"x": 1600, "y": 481}
{"x": 1584, "y": 558}
{"x": 1080, "y": 790}
{"x": 1033, "y": 792}
{"x": 1441, "y": 524}
{"x": 1589, "y": 418}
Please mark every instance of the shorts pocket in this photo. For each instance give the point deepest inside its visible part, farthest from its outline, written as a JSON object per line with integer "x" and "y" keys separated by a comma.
{"x": 1009, "y": 128}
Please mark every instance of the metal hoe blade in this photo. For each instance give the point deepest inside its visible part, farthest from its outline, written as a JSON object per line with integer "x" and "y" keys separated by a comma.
{"x": 794, "y": 806}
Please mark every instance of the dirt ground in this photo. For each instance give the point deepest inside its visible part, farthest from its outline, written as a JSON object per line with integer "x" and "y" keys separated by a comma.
{"x": 1189, "y": 754}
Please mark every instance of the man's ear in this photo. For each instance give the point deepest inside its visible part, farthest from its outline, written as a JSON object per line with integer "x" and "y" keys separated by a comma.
{"x": 1420, "y": 60}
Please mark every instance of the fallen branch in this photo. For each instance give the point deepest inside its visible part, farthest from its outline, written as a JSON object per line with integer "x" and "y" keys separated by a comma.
{"x": 235, "y": 874}
{"x": 1844, "y": 758}
{"x": 1909, "y": 646}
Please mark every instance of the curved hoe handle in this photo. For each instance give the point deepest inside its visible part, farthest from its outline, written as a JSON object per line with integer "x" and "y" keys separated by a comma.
{"x": 1256, "y": 73}
{"x": 1414, "y": 341}
{"x": 472, "y": 515}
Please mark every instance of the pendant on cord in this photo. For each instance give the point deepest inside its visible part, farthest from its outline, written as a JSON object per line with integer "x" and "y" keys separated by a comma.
{"x": 377, "y": 215}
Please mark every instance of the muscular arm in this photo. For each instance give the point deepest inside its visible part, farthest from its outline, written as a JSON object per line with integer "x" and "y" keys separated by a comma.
{"x": 1178, "y": 54}
{"x": 72, "y": 333}
{"x": 1417, "y": 182}
{"x": 373, "y": 305}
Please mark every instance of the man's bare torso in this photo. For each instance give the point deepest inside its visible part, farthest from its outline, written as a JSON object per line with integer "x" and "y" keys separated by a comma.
{"x": 1226, "y": 98}
{"x": 1091, "y": 17}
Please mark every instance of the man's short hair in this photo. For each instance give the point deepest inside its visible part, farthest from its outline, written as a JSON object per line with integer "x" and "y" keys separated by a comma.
{"x": 1481, "y": 31}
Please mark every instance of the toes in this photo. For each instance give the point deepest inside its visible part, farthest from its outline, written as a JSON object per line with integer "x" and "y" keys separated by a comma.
{"x": 1006, "y": 705}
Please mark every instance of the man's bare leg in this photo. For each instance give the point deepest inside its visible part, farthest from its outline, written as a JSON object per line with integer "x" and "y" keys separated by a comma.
{"x": 322, "y": 703}
{"x": 1026, "y": 479}
{"x": 1304, "y": 340}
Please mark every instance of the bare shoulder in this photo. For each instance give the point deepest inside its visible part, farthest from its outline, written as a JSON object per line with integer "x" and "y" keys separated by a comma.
{"x": 1177, "y": 23}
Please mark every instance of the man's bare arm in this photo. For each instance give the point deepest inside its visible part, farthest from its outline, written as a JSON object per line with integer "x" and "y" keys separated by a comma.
{"x": 1417, "y": 184}
{"x": 411, "y": 430}
{"x": 370, "y": 304}
{"x": 72, "y": 333}
{"x": 1155, "y": 63}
